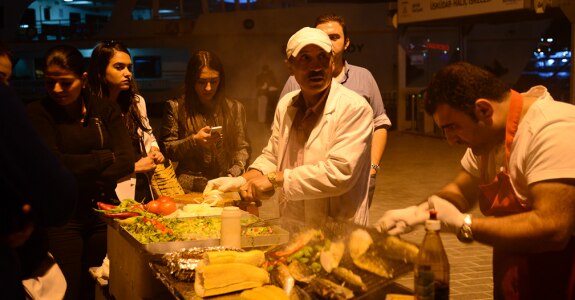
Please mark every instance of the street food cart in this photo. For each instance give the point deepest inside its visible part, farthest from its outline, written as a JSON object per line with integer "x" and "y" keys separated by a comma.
{"x": 142, "y": 268}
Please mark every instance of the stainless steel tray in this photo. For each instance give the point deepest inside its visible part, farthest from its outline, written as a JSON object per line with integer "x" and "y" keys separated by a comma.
{"x": 278, "y": 237}
{"x": 378, "y": 287}
{"x": 185, "y": 290}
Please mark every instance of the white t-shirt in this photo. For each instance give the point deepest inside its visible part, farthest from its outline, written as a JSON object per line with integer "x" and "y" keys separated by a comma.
{"x": 543, "y": 147}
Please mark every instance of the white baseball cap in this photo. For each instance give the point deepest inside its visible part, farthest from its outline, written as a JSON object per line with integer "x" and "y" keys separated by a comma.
{"x": 307, "y": 36}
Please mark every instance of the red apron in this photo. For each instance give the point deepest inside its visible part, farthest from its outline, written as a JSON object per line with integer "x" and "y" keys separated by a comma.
{"x": 548, "y": 275}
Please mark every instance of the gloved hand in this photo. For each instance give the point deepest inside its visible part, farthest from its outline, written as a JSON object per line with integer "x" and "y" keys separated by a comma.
{"x": 225, "y": 184}
{"x": 399, "y": 221}
{"x": 447, "y": 213}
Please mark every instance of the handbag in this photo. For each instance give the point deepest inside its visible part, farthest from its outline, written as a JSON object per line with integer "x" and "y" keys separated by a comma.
{"x": 48, "y": 281}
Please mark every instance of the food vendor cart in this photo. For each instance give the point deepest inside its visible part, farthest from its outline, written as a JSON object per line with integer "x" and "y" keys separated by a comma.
{"x": 139, "y": 265}
{"x": 130, "y": 274}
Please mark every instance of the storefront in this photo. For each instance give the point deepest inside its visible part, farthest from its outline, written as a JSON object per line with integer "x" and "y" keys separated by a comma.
{"x": 524, "y": 42}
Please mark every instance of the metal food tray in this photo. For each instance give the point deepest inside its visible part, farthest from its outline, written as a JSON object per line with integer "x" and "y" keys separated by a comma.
{"x": 279, "y": 236}
{"x": 378, "y": 287}
{"x": 182, "y": 290}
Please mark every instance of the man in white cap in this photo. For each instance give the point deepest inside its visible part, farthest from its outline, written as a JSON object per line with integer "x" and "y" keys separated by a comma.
{"x": 318, "y": 156}
{"x": 357, "y": 79}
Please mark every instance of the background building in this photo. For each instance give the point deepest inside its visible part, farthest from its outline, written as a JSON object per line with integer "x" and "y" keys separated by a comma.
{"x": 402, "y": 42}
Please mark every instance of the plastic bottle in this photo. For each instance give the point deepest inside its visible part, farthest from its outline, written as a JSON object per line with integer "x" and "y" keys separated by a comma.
{"x": 231, "y": 229}
{"x": 431, "y": 278}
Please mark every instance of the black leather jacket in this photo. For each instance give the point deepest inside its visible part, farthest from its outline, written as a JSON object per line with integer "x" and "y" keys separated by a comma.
{"x": 194, "y": 162}
{"x": 98, "y": 152}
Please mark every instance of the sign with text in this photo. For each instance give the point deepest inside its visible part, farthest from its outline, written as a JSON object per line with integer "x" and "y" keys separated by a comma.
{"x": 409, "y": 11}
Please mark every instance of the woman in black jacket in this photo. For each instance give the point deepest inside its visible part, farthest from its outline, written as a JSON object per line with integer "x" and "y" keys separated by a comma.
{"x": 110, "y": 77}
{"x": 90, "y": 139}
{"x": 203, "y": 154}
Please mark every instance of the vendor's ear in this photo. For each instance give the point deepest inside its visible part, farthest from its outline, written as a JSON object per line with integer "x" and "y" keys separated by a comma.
{"x": 483, "y": 109}
{"x": 346, "y": 44}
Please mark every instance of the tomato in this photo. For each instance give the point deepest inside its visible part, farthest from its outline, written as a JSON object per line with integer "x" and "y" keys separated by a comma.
{"x": 163, "y": 199}
{"x": 162, "y": 206}
{"x": 167, "y": 208}
{"x": 153, "y": 207}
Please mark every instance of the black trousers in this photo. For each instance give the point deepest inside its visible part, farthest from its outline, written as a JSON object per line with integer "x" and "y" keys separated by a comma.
{"x": 77, "y": 246}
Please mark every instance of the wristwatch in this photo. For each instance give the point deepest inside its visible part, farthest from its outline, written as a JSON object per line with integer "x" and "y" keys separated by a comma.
{"x": 375, "y": 167}
{"x": 272, "y": 178}
{"x": 465, "y": 235}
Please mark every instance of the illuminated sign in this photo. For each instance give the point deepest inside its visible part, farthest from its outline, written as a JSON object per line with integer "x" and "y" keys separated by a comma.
{"x": 437, "y": 46}
{"x": 409, "y": 11}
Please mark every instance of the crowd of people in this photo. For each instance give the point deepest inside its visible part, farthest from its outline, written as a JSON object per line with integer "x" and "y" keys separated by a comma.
{"x": 328, "y": 135}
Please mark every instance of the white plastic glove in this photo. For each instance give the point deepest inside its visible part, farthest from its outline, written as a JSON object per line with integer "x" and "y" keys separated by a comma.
{"x": 447, "y": 213}
{"x": 399, "y": 221}
{"x": 225, "y": 184}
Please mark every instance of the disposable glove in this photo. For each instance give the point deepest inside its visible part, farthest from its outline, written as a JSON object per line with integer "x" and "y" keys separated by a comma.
{"x": 225, "y": 184}
{"x": 399, "y": 221}
{"x": 447, "y": 212}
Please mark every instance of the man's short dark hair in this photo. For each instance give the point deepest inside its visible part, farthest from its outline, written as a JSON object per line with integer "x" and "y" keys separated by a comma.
{"x": 460, "y": 84}
{"x": 331, "y": 17}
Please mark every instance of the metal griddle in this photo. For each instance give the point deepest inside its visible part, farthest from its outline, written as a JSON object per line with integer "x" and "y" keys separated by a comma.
{"x": 377, "y": 286}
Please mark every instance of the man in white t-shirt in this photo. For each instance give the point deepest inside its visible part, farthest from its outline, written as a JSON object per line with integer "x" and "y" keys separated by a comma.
{"x": 519, "y": 168}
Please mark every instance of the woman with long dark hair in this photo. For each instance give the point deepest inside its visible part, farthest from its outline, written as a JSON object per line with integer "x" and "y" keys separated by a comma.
{"x": 110, "y": 78}
{"x": 188, "y": 133}
{"x": 88, "y": 136}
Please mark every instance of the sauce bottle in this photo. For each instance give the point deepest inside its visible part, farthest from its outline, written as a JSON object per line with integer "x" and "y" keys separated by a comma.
{"x": 431, "y": 278}
{"x": 231, "y": 230}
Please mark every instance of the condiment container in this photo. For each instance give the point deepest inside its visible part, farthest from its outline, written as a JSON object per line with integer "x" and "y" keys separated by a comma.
{"x": 231, "y": 228}
{"x": 431, "y": 278}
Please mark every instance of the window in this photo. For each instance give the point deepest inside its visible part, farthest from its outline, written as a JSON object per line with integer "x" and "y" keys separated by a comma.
{"x": 147, "y": 66}
{"x": 47, "y": 14}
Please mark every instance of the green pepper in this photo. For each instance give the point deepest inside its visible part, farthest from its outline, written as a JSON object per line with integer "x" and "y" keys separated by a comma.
{"x": 296, "y": 255}
{"x": 316, "y": 267}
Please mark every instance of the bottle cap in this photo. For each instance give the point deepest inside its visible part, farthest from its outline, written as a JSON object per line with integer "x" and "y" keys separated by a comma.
{"x": 433, "y": 225}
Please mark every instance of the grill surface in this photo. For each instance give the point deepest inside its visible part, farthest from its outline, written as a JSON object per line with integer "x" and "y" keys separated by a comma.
{"x": 377, "y": 286}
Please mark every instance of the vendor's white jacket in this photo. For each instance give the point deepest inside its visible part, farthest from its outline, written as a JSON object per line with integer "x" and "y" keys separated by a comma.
{"x": 335, "y": 175}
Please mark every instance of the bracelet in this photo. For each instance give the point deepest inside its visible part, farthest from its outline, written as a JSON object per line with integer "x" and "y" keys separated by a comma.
{"x": 375, "y": 167}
